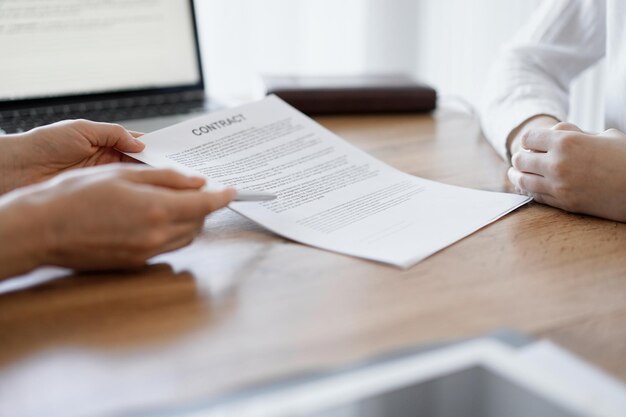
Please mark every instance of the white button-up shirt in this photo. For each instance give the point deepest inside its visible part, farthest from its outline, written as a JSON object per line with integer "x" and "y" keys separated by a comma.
{"x": 533, "y": 76}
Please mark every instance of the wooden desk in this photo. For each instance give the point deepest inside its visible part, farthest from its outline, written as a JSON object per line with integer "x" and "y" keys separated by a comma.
{"x": 242, "y": 306}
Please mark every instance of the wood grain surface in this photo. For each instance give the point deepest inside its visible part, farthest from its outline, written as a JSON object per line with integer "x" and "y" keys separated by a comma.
{"x": 242, "y": 306}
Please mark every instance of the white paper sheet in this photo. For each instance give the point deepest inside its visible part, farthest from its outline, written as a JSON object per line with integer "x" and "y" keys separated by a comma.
{"x": 330, "y": 194}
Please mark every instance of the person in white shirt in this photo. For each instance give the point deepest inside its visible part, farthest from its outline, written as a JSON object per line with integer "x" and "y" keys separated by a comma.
{"x": 526, "y": 106}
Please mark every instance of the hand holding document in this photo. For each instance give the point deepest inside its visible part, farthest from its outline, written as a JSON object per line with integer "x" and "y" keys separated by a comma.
{"x": 329, "y": 194}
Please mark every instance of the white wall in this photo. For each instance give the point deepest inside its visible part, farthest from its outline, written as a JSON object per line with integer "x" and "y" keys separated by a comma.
{"x": 447, "y": 43}
{"x": 390, "y": 35}
{"x": 242, "y": 39}
{"x": 457, "y": 40}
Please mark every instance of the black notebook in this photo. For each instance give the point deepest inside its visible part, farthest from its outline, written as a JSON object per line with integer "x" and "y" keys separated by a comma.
{"x": 353, "y": 94}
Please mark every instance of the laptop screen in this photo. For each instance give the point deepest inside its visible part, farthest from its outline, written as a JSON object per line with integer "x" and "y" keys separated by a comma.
{"x": 54, "y": 48}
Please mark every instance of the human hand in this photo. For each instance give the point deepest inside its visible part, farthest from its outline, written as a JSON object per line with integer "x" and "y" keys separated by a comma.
{"x": 106, "y": 217}
{"x": 579, "y": 172}
{"x": 42, "y": 153}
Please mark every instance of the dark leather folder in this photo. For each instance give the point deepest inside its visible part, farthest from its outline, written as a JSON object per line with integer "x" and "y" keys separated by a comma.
{"x": 353, "y": 94}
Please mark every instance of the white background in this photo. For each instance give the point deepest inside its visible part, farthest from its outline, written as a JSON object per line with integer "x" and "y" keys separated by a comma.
{"x": 447, "y": 43}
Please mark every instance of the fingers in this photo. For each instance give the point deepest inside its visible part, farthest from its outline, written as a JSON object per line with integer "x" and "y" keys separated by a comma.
{"x": 542, "y": 140}
{"x": 168, "y": 238}
{"x": 531, "y": 162}
{"x": 538, "y": 140}
{"x": 546, "y": 199}
{"x": 529, "y": 183}
{"x": 193, "y": 205}
{"x": 186, "y": 213}
{"x": 167, "y": 178}
{"x": 183, "y": 204}
{"x": 154, "y": 242}
{"x": 109, "y": 135}
{"x": 181, "y": 242}
{"x": 130, "y": 159}
{"x": 181, "y": 235}
{"x": 136, "y": 134}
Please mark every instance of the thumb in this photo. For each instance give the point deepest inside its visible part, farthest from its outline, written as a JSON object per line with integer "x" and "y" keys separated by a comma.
{"x": 109, "y": 135}
{"x": 567, "y": 126}
{"x": 167, "y": 178}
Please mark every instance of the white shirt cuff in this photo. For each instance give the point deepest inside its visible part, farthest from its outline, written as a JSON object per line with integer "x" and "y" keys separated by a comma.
{"x": 501, "y": 119}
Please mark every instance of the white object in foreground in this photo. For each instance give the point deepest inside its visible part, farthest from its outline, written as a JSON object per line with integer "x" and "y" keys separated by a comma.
{"x": 483, "y": 377}
{"x": 330, "y": 194}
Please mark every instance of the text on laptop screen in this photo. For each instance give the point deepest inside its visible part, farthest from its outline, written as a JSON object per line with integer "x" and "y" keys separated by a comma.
{"x": 65, "y": 47}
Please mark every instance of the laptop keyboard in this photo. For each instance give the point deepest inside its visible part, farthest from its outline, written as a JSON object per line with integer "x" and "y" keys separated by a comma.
{"x": 20, "y": 120}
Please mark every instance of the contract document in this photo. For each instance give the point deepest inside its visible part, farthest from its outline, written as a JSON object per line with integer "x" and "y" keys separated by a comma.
{"x": 330, "y": 194}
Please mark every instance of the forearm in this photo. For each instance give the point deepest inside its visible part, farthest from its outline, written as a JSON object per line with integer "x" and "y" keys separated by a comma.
{"x": 532, "y": 77}
{"x": 515, "y": 95}
{"x": 21, "y": 246}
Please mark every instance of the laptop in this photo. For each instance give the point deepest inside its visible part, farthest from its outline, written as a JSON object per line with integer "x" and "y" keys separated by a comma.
{"x": 134, "y": 62}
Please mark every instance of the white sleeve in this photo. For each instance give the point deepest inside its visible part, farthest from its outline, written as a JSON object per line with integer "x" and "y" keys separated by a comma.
{"x": 533, "y": 74}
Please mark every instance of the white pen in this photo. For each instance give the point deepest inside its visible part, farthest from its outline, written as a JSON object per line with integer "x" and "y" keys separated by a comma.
{"x": 245, "y": 195}
{"x": 248, "y": 195}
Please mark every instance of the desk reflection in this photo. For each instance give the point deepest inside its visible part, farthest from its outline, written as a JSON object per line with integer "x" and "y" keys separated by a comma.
{"x": 101, "y": 310}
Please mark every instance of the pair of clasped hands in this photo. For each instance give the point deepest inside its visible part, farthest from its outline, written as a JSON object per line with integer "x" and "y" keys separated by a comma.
{"x": 560, "y": 165}
{"x": 69, "y": 197}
